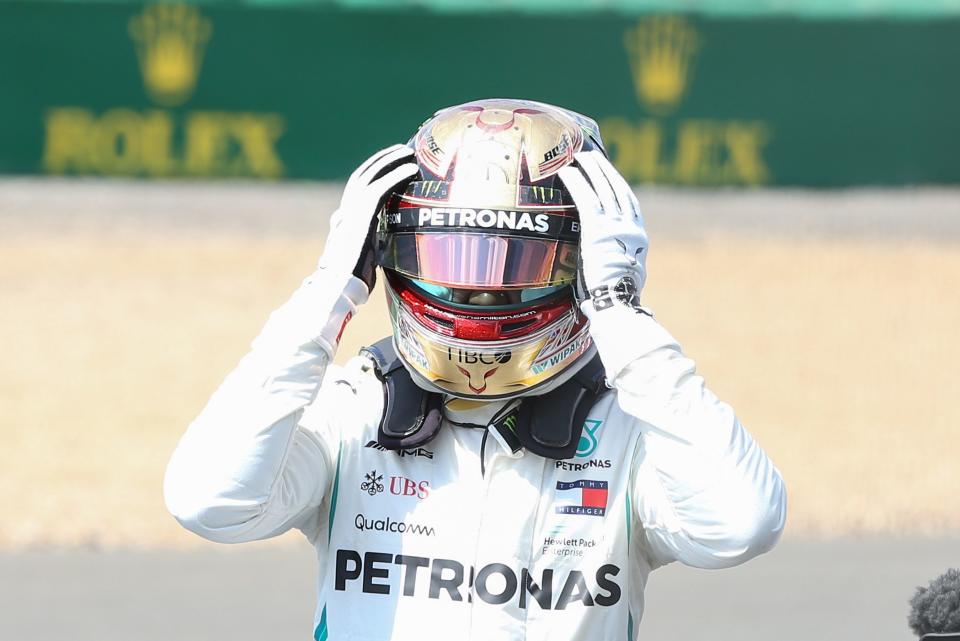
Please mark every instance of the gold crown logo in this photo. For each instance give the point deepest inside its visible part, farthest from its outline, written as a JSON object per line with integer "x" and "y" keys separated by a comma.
{"x": 661, "y": 49}
{"x": 170, "y": 39}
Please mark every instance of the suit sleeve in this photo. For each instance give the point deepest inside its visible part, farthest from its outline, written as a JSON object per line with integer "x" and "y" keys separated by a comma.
{"x": 704, "y": 491}
{"x": 247, "y": 468}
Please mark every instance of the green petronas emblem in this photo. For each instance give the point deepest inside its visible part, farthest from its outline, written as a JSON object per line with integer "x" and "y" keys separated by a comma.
{"x": 588, "y": 439}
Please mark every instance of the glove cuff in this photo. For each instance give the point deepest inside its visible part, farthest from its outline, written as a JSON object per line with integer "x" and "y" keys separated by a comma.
{"x": 623, "y": 334}
{"x": 355, "y": 293}
{"x": 316, "y": 314}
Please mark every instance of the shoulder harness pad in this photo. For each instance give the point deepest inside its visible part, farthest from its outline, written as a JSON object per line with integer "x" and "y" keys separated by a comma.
{"x": 549, "y": 425}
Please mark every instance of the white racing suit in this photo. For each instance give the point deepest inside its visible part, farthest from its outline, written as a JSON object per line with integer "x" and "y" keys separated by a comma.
{"x": 419, "y": 544}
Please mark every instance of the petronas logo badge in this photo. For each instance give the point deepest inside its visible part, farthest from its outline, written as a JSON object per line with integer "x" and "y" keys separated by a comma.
{"x": 588, "y": 438}
{"x": 661, "y": 50}
{"x": 170, "y": 39}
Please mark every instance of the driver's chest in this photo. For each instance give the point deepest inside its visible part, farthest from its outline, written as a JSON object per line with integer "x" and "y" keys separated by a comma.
{"x": 426, "y": 530}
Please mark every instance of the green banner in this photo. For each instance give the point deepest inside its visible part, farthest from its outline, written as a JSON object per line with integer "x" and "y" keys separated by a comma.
{"x": 173, "y": 90}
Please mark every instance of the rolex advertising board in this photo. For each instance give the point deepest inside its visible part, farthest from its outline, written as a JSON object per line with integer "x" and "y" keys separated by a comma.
{"x": 228, "y": 90}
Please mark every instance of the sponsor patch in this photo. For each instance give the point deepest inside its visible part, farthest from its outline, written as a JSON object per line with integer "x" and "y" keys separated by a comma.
{"x": 469, "y": 357}
{"x": 495, "y": 583}
{"x": 566, "y": 547}
{"x": 402, "y": 486}
{"x": 549, "y": 224}
{"x": 583, "y": 496}
{"x": 574, "y": 349}
{"x": 483, "y": 218}
{"x": 589, "y": 438}
{"x": 366, "y": 524}
{"x": 372, "y": 483}
{"x": 419, "y": 452}
{"x": 594, "y": 463}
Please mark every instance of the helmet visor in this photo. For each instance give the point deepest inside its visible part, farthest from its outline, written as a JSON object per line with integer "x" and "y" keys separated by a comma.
{"x": 462, "y": 296}
{"x": 464, "y": 256}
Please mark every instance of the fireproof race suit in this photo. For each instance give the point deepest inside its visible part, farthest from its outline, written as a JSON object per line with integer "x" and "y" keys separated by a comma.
{"x": 420, "y": 544}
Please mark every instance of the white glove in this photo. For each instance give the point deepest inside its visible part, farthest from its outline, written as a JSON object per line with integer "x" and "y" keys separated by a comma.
{"x": 613, "y": 252}
{"x": 350, "y": 248}
{"x": 326, "y": 301}
{"x": 613, "y": 242}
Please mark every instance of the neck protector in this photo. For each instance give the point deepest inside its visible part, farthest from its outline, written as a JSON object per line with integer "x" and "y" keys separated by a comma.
{"x": 548, "y": 425}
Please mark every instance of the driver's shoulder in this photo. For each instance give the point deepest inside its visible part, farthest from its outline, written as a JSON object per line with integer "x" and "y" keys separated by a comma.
{"x": 350, "y": 399}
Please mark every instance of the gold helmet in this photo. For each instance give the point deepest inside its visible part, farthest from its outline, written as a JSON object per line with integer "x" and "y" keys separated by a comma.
{"x": 481, "y": 251}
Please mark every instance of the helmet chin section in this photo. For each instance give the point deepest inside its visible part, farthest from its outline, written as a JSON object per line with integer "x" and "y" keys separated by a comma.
{"x": 537, "y": 390}
{"x": 481, "y": 355}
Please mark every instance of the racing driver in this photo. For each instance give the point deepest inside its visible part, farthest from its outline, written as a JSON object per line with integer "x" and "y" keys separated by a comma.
{"x": 527, "y": 445}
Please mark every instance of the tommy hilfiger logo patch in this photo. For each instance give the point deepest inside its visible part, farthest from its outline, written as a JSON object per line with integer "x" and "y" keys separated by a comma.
{"x": 582, "y": 497}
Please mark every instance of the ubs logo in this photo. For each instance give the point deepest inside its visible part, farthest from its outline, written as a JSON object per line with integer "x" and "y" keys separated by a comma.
{"x": 372, "y": 484}
{"x": 402, "y": 486}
